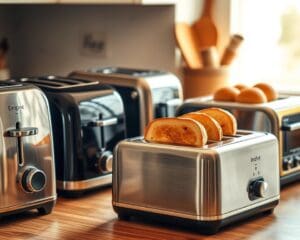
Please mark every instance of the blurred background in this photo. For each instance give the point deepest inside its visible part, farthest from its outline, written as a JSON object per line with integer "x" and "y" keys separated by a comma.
{"x": 58, "y": 36}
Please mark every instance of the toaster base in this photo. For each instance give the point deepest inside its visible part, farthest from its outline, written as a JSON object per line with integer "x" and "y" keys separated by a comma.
{"x": 43, "y": 209}
{"x": 78, "y": 188}
{"x": 205, "y": 227}
{"x": 290, "y": 178}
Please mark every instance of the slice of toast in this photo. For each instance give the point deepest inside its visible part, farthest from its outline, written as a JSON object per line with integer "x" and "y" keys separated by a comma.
{"x": 176, "y": 131}
{"x": 224, "y": 118}
{"x": 213, "y": 128}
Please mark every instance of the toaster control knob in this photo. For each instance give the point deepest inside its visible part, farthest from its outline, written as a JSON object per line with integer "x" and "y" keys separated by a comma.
{"x": 33, "y": 180}
{"x": 258, "y": 188}
{"x": 105, "y": 162}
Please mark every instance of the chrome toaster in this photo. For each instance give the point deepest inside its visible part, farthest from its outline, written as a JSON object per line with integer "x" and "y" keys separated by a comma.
{"x": 147, "y": 94}
{"x": 206, "y": 188}
{"x": 280, "y": 117}
{"x": 27, "y": 178}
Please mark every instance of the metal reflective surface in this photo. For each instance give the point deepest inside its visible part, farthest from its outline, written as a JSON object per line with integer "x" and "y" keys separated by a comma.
{"x": 199, "y": 183}
{"x": 146, "y": 94}
{"x": 24, "y": 108}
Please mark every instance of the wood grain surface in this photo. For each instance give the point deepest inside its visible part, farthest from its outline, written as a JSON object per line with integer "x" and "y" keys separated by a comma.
{"x": 92, "y": 217}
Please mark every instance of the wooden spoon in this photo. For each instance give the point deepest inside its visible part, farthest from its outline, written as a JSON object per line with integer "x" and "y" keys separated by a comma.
{"x": 205, "y": 29}
{"x": 185, "y": 38}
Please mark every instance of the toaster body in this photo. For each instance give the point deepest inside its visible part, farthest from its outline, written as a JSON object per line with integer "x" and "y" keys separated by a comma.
{"x": 27, "y": 179}
{"x": 146, "y": 94}
{"x": 210, "y": 186}
{"x": 280, "y": 117}
{"x": 88, "y": 121}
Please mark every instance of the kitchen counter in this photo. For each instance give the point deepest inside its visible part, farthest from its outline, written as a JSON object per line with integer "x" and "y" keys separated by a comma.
{"x": 92, "y": 217}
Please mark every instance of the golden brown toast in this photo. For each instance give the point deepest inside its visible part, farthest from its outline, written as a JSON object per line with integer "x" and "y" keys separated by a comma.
{"x": 176, "y": 131}
{"x": 213, "y": 128}
{"x": 226, "y": 120}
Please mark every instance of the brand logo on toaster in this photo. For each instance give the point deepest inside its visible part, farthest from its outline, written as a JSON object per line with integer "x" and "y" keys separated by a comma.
{"x": 255, "y": 159}
{"x": 15, "y": 107}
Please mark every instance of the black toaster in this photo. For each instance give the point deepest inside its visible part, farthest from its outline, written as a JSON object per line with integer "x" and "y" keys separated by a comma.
{"x": 27, "y": 172}
{"x": 147, "y": 94}
{"x": 88, "y": 121}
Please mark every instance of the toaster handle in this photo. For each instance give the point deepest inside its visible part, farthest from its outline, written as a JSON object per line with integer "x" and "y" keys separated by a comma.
{"x": 291, "y": 127}
{"x": 18, "y": 133}
{"x": 103, "y": 122}
{"x": 22, "y": 132}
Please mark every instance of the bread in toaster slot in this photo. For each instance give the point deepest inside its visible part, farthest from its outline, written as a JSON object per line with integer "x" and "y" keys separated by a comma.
{"x": 226, "y": 120}
{"x": 213, "y": 128}
{"x": 193, "y": 129}
{"x": 176, "y": 131}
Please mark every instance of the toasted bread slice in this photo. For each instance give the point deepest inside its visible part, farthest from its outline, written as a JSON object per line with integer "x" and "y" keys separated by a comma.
{"x": 213, "y": 128}
{"x": 224, "y": 118}
{"x": 176, "y": 131}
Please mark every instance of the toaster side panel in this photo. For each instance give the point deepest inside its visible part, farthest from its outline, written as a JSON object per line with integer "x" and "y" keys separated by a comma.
{"x": 157, "y": 179}
{"x": 257, "y": 159}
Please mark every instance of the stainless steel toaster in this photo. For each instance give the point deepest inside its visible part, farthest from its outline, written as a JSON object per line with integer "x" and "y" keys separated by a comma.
{"x": 280, "y": 117}
{"x": 27, "y": 173}
{"x": 147, "y": 94}
{"x": 207, "y": 187}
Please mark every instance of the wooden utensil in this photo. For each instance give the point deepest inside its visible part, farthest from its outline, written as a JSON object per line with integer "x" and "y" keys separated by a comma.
{"x": 185, "y": 37}
{"x": 210, "y": 57}
{"x": 230, "y": 51}
{"x": 205, "y": 29}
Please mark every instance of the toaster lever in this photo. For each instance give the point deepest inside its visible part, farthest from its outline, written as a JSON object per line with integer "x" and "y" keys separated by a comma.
{"x": 291, "y": 127}
{"x": 103, "y": 122}
{"x": 22, "y": 132}
{"x": 19, "y": 132}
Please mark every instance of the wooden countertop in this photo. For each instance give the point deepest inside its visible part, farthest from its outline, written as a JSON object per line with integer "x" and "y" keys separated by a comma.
{"x": 92, "y": 217}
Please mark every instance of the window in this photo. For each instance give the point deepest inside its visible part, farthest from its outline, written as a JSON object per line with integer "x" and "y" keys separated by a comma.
{"x": 271, "y": 50}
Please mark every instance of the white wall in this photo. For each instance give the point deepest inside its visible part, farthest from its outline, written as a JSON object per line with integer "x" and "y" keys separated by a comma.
{"x": 46, "y": 38}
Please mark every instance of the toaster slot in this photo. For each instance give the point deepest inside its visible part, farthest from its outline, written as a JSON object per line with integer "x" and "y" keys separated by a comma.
{"x": 62, "y": 81}
{"x": 68, "y": 81}
{"x": 42, "y": 82}
{"x": 58, "y": 82}
{"x": 126, "y": 71}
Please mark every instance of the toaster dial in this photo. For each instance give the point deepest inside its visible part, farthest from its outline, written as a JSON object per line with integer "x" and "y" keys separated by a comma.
{"x": 33, "y": 180}
{"x": 105, "y": 162}
{"x": 257, "y": 189}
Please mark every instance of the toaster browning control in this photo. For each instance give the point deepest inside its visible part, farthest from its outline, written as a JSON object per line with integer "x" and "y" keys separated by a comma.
{"x": 33, "y": 180}
{"x": 257, "y": 189}
{"x": 105, "y": 162}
